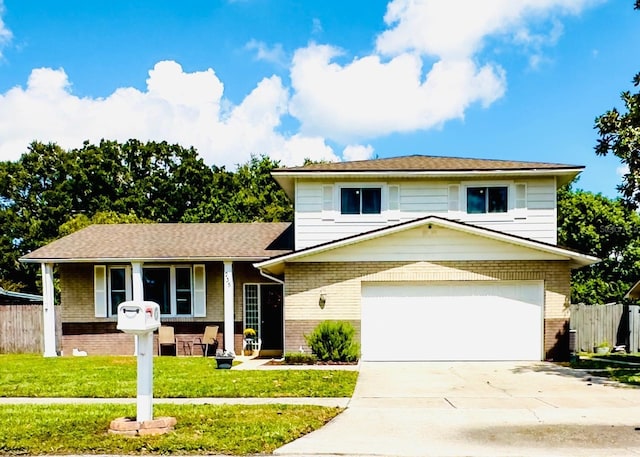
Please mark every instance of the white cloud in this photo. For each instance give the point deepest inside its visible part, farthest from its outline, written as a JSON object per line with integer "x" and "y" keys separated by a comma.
{"x": 357, "y": 152}
{"x": 316, "y": 26}
{"x": 177, "y": 107}
{"x": 368, "y": 97}
{"x": 458, "y": 28}
{"x": 392, "y": 91}
{"x": 274, "y": 54}
{"x": 427, "y": 68}
{"x": 5, "y": 33}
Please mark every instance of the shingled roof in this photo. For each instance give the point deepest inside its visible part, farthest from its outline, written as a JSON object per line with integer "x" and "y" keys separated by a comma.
{"x": 169, "y": 242}
{"x": 427, "y": 163}
{"x": 423, "y": 166}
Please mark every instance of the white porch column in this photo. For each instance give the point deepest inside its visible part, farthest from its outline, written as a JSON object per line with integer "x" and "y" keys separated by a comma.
{"x": 136, "y": 284}
{"x": 48, "y": 309}
{"x": 228, "y": 306}
{"x": 137, "y": 295}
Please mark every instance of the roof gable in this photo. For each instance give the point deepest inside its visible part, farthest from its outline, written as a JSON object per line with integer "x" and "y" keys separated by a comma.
{"x": 429, "y": 238}
{"x": 431, "y": 242}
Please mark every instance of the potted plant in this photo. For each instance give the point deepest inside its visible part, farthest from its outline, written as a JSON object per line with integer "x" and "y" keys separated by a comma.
{"x": 249, "y": 337}
{"x": 224, "y": 359}
{"x": 603, "y": 348}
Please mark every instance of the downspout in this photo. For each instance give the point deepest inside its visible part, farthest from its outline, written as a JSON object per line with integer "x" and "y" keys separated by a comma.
{"x": 273, "y": 278}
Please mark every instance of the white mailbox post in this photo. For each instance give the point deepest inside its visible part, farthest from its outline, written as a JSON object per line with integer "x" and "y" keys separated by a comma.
{"x": 142, "y": 318}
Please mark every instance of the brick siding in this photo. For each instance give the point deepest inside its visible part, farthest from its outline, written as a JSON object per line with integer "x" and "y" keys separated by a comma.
{"x": 295, "y": 331}
{"x": 341, "y": 283}
{"x": 104, "y": 339}
{"x": 97, "y": 335}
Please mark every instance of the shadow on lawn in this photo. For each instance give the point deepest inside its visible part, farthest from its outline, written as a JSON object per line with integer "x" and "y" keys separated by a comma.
{"x": 586, "y": 375}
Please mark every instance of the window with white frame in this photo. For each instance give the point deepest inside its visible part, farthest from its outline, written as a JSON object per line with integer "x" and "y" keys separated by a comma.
{"x": 184, "y": 295}
{"x": 180, "y": 290}
{"x": 252, "y": 307}
{"x": 360, "y": 200}
{"x": 119, "y": 287}
{"x": 170, "y": 287}
{"x": 487, "y": 199}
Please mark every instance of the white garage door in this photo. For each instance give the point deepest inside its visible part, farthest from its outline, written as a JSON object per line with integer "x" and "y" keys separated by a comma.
{"x": 470, "y": 320}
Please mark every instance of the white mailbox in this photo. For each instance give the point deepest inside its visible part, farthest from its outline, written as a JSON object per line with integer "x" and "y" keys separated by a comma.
{"x": 138, "y": 317}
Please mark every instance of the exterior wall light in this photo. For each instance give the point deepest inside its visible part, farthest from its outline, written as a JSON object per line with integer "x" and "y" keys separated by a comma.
{"x": 322, "y": 301}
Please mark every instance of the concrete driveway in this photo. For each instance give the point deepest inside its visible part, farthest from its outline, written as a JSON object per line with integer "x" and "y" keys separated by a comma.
{"x": 479, "y": 409}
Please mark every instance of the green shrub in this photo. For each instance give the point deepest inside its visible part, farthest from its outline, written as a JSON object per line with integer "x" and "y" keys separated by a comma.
{"x": 333, "y": 341}
{"x": 300, "y": 358}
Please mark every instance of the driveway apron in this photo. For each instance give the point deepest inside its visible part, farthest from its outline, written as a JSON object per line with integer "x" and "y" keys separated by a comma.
{"x": 479, "y": 409}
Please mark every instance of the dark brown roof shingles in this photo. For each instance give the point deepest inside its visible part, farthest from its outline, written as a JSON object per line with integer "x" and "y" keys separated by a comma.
{"x": 170, "y": 241}
{"x": 426, "y": 163}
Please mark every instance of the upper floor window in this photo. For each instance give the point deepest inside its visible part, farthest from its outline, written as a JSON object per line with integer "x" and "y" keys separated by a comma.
{"x": 360, "y": 200}
{"x": 487, "y": 199}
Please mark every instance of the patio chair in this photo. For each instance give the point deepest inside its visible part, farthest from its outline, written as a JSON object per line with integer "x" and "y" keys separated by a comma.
{"x": 208, "y": 342}
{"x": 166, "y": 337}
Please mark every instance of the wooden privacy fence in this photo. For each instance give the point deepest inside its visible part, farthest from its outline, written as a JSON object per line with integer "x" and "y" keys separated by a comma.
{"x": 616, "y": 324}
{"x": 21, "y": 328}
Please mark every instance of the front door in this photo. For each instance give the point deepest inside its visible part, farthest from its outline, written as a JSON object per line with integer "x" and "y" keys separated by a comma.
{"x": 271, "y": 316}
{"x": 263, "y": 313}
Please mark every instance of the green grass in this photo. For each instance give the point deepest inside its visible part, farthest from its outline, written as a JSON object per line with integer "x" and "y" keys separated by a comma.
{"x": 23, "y": 375}
{"x": 201, "y": 429}
{"x": 606, "y": 365}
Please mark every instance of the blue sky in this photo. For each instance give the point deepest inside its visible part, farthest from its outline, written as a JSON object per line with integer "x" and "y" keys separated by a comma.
{"x": 326, "y": 79}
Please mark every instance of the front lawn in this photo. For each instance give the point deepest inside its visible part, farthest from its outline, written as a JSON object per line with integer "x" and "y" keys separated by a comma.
{"x": 627, "y": 372}
{"x": 201, "y": 429}
{"x": 27, "y": 375}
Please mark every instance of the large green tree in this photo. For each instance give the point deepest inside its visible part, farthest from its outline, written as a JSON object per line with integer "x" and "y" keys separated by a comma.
{"x": 619, "y": 134}
{"x": 608, "y": 229}
{"x": 50, "y": 192}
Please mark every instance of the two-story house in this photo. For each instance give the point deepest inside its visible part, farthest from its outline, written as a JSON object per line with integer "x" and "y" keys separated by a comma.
{"x": 430, "y": 258}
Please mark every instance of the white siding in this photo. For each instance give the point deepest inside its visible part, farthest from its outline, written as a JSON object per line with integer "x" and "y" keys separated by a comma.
{"x": 424, "y": 197}
{"x": 316, "y": 224}
{"x": 431, "y": 244}
{"x": 537, "y": 221}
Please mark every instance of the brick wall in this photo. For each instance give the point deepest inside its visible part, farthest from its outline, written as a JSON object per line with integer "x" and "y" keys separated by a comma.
{"x": 97, "y": 335}
{"x": 105, "y": 339}
{"x": 341, "y": 282}
{"x": 215, "y": 292}
{"x": 77, "y": 296}
{"x": 295, "y": 331}
{"x": 76, "y": 292}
